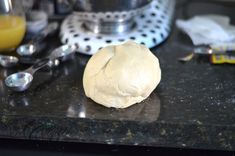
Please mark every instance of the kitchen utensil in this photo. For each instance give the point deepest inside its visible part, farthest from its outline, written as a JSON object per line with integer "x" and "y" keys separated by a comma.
{"x": 22, "y": 80}
{"x": 31, "y": 47}
{"x": 106, "y": 17}
{"x": 152, "y": 27}
{"x": 63, "y": 52}
{"x": 8, "y": 61}
{"x": 227, "y": 49}
{"x": 215, "y": 49}
{"x": 67, "y": 54}
{"x": 106, "y": 5}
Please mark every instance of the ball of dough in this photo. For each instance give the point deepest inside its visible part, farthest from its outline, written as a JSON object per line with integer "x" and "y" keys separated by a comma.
{"x": 122, "y": 75}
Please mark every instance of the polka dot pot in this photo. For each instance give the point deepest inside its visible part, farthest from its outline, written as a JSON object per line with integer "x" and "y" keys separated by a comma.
{"x": 152, "y": 28}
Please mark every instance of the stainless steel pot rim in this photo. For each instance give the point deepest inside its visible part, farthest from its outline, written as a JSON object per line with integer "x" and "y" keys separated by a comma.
{"x": 116, "y": 16}
{"x": 107, "y": 5}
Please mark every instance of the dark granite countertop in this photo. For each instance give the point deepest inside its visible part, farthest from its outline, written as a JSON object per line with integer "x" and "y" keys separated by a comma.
{"x": 193, "y": 107}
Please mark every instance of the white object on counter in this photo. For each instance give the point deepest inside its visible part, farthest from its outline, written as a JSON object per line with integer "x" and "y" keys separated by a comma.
{"x": 208, "y": 29}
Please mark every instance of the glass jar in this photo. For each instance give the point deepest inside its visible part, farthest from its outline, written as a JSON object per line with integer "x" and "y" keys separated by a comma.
{"x": 12, "y": 24}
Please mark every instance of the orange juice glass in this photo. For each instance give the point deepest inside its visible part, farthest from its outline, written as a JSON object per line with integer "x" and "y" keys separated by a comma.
{"x": 12, "y": 24}
{"x": 12, "y": 30}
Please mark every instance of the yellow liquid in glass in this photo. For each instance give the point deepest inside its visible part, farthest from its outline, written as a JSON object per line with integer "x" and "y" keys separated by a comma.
{"x": 12, "y": 30}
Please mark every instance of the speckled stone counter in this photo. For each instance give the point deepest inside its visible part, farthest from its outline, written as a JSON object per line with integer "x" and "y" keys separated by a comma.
{"x": 193, "y": 107}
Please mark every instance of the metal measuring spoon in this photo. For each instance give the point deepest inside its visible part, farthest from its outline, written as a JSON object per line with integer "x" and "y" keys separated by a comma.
{"x": 22, "y": 80}
{"x": 63, "y": 52}
{"x": 8, "y": 61}
{"x": 31, "y": 47}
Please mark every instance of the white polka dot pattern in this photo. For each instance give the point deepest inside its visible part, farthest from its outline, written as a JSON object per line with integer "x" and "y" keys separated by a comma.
{"x": 152, "y": 28}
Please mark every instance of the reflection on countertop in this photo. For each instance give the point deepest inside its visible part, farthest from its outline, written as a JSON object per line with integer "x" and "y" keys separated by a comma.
{"x": 146, "y": 111}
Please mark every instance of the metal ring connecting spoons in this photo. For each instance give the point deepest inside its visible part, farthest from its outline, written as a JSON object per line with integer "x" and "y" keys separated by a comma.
{"x": 21, "y": 81}
{"x": 31, "y": 47}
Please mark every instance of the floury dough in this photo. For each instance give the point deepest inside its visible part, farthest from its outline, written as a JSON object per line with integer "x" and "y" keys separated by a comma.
{"x": 120, "y": 76}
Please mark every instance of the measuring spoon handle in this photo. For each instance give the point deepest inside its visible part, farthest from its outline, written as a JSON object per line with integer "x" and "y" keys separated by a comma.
{"x": 38, "y": 65}
{"x": 51, "y": 28}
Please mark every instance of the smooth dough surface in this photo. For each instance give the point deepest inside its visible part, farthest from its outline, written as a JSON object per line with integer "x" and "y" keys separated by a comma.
{"x": 122, "y": 75}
